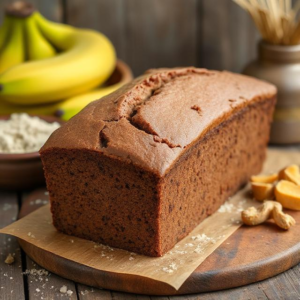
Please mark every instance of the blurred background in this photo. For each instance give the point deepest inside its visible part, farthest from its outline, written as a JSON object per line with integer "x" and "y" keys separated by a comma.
{"x": 215, "y": 34}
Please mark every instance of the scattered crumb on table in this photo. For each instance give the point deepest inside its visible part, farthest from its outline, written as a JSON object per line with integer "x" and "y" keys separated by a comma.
{"x": 9, "y": 259}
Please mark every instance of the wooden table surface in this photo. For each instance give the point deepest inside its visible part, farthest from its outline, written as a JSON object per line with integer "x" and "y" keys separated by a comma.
{"x": 16, "y": 284}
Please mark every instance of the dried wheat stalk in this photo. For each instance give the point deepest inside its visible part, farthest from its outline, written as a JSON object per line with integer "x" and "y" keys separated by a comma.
{"x": 277, "y": 20}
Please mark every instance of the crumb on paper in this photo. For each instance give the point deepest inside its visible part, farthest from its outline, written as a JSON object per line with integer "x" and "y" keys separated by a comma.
{"x": 170, "y": 268}
{"x": 203, "y": 238}
{"x": 235, "y": 221}
{"x": 105, "y": 251}
{"x": 200, "y": 237}
{"x": 230, "y": 208}
{"x": 104, "y": 247}
{"x": 177, "y": 252}
{"x": 132, "y": 256}
{"x": 9, "y": 259}
{"x": 198, "y": 250}
{"x": 226, "y": 208}
{"x": 241, "y": 204}
{"x": 180, "y": 252}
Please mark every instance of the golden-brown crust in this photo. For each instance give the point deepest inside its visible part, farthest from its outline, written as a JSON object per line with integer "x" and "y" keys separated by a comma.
{"x": 152, "y": 120}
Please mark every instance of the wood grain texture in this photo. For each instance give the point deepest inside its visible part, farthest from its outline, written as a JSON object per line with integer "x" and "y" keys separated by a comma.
{"x": 249, "y": 255}
{"x": 47, "y": 286}
{"x": 146, "y": 34}
{"x": 228, "y": 36}
{"x": 43, "y": 286}
{"x": 11, "y": 278}
{"x": 89, "y": 293}
{"x": 161, "y": 33}
{"x": 149, "y": 34}
{"x": 50, "y": 9}
{"x": 285, "y": 286}
{"x": 105, "y": 16}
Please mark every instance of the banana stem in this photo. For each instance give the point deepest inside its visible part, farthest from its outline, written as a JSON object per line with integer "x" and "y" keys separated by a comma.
{"x": 19, "y": 9}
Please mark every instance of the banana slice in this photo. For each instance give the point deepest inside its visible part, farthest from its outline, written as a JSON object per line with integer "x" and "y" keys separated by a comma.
{"x": 292, "y": 174}
{"x": 263, "y": 191}
{"x": 265, "y": 178}
{"x": 288, "y": 194}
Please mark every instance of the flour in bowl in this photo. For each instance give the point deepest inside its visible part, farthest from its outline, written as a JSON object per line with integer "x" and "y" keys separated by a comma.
{"x": 23, "y": 133}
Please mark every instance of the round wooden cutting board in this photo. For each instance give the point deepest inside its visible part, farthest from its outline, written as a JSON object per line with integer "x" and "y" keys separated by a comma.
{"x": 251, "y": 254}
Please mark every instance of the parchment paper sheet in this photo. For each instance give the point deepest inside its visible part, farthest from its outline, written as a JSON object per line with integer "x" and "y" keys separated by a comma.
{"x": 174, "y": 267}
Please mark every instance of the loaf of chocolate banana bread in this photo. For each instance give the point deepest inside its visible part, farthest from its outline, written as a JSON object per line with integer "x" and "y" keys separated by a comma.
{"x": 143, "y": 166}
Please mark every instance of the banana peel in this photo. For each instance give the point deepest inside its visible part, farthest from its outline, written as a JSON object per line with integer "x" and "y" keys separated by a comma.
{"x": 65, "y": 109}
{"x": 74, "y": 105}
{"x": 61, "y": 62}
{"x": 33, "y": 73}
{"x": 263, "y": 191}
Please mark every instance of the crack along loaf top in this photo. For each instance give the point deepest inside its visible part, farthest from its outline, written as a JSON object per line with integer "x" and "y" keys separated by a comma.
{"x": 152, "y": 120}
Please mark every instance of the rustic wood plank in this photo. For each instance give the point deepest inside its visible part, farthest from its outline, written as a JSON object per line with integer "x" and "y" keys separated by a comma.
{"x": 50, "y": 9}
{"x": 283, "y": 286}
{"x": 47, "y": 286}
{"x": 11, "y": 278}
{"x": 89, "y": 293}
{"x": 124, "y": 296}
{"x": 227, "y": 34}
{"x": 143, "y": 297}
{"x": 160, "y": 33}
{"x": 40, "y": 284}
{"x": 105, "y": 16}
{"x": 146, "y": 34}
{"x": 242, "y": 293}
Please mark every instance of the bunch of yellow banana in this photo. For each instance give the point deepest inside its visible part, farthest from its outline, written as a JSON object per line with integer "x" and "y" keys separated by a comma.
{"x": 46, "y": 66}
{"x": 63, "y": 109}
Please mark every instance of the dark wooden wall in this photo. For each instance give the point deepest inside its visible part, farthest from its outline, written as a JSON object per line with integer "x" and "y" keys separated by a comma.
{"x": 214, "y": 34}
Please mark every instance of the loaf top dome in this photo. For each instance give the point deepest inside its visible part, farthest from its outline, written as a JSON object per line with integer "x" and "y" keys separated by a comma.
{"x": 152, "y": 120}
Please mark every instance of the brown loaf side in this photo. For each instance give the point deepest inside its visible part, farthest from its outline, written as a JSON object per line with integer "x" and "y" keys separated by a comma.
{"x": 119, "y": 173}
